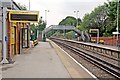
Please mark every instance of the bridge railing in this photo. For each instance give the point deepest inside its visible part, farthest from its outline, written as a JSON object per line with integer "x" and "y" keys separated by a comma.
{"x": 63, "y": 27}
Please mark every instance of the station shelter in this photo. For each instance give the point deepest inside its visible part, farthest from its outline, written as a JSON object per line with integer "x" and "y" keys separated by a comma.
{"x": 17, "y": 32}
{"x": 18, "y": 38}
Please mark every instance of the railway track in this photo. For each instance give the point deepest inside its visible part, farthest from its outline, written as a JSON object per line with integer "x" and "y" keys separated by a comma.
{"x": 101, "y": 63}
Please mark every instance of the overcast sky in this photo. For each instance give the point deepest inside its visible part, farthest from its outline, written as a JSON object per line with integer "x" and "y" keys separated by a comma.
{"x": 59, "y": 9}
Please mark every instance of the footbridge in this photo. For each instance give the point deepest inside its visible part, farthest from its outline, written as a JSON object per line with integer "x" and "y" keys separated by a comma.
{"x": 82, "y": 34}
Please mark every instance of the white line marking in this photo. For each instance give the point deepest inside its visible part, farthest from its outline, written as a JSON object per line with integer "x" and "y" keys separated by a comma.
{"x": 78, "y": 63}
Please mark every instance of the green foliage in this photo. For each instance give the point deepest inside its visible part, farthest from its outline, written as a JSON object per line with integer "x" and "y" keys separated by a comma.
{"x": 41, "y": 25}
{"x": 34, "y": 32}
{"x": 32, "y": 27}
{"x": 103, "y": 18}
{"x": 69, "y": 20}
{"x": 69, "y": 35}
{"x": 78, "y": 27}
{"x": 35, "y": 27}
{"x": 86, "y": 22}
{"x": 95, "y": 19}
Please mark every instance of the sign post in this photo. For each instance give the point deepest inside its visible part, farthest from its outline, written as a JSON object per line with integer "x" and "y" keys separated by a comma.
{"x": 98, "y": 32}
{"x": 117, "y": 34}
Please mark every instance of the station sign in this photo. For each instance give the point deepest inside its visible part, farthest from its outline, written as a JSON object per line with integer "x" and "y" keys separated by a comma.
{"x": 94, "y": 30}
{"x": 23, "y": 16}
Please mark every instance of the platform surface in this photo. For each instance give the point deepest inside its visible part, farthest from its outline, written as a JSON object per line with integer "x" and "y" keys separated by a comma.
{"x": 44, "y": 61}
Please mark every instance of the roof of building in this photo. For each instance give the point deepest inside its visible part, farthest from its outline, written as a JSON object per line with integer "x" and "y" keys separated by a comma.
{"x": 7, "y": 3}
{"x": 16, "y": 5}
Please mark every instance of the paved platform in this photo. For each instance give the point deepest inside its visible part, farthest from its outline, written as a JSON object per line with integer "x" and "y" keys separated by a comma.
{"x": 44, "y": 61}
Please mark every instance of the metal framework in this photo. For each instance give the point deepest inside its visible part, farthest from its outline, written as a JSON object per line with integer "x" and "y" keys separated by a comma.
{"x": 61, "y": 27}
{"x": 82, "y": 35}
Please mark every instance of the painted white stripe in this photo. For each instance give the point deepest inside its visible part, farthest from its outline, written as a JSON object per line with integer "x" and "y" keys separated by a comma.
{"x": 78, "y": 63}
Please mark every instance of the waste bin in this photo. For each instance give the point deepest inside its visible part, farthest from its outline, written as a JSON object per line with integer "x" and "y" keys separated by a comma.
{"x": 44, "y": 39}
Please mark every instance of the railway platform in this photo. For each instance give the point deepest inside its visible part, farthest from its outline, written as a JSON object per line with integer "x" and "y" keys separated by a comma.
{"x": 105, "y": 46}
{"x": 99, "y": 45}
{"x": 46, "y": 60}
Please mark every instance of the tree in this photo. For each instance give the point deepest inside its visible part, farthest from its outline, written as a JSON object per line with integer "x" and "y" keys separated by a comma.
{"x": 85, "y": 22}
{"x": 41, "y": 25}
{"x": 32, "y": 27}
{"x": 95, "y": 19}
{"x": 112, "y": 17}
{"x": 70, "y": 21}
{"x": 102, "y": 18}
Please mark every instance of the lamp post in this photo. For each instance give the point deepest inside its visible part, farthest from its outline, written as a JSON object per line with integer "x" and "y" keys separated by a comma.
{"x": 46, "y": 11}
{"x": 29, "y": 4}
{"x": 76, "y": 17}
{"x": 44, "y": 36}
{"x": 117, "y": 28}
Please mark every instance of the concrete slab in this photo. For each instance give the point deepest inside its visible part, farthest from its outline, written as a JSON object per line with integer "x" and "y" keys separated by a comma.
{"x": 41, "y": 62}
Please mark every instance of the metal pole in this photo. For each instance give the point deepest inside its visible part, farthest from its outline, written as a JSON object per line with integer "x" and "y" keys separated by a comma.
{"x": 76, "y": 17}
{"x": 29, "y": 4}
{"x": 46, "y": 16}
{"x": 29, "y": 33}
{"x": 45, "y": 21}
{"x": 11, "y": 5}
{"x": 4, "y": 37}
{"x": 117, "y": 23}
{"x": 97, "y": 36}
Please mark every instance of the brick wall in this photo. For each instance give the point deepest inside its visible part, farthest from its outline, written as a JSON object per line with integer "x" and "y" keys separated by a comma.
{"x": 108, "y": 40}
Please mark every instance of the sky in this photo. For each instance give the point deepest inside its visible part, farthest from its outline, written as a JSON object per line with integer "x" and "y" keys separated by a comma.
{"x": 59, "y": 9}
